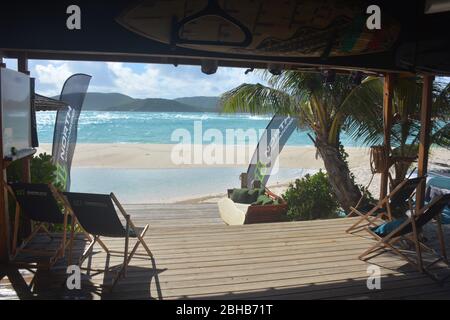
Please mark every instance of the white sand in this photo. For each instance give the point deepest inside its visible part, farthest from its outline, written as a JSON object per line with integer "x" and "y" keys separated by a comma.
{"x": 154, "y": 156}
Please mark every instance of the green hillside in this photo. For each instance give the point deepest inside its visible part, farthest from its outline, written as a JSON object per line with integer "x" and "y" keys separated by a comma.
{"x": 206, "y": 104}
{"x": 96, "y": 101}
{"x": 105, "y": 101}
{"x": 155, "y": 105}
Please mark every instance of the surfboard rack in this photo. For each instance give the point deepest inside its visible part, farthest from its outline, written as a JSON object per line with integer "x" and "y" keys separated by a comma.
{"x": 211, "y": 9}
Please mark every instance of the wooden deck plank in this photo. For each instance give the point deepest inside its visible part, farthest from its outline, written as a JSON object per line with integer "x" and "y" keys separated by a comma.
{"x": 196, "y": 256}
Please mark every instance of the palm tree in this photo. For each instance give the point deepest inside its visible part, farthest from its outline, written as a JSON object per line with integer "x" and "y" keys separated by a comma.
{"x": 405, "y": 131}
{"x": 322, "y": 108}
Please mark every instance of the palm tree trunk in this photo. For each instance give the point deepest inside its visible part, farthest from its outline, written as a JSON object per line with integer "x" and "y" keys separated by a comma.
{"x": 401, "y": 171}
{"x": 347, "y": 193}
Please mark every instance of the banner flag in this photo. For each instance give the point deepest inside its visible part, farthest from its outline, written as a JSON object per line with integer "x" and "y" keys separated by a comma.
{"x": 272, "y": 141}
{"x": 66, "y": 124}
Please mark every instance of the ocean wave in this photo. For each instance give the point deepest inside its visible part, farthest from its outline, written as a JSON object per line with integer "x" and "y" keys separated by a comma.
{"x": 253, "y": 117}
{"x": 157, "y": 127}
{"x": 45, "y": 118}
{"x": 96, "y": 117}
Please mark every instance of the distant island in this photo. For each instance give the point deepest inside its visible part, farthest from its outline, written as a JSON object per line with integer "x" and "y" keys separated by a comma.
{"x": 96, "y": 101}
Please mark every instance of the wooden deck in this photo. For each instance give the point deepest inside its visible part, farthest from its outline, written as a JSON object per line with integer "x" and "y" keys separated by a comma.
{"x": 196, "y": 256}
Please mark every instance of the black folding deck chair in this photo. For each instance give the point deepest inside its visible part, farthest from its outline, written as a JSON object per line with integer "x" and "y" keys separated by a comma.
{"x": 97, "y": 216}
{"x": 43, "y": 205}
{"x": 395, "y": 200}
{"x": 408, "y": 230}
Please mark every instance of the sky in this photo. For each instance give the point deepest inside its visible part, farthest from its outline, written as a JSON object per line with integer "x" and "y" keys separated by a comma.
{"x": 137, "y": 80}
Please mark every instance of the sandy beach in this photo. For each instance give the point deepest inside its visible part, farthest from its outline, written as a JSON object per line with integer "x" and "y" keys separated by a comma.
{"x": 154, "y": 156}
{"x": 159, "y": 156}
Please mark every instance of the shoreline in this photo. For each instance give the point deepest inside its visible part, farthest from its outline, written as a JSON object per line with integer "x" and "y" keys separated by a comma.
{"x": 278, "y": 188}
{"x": 158, "y": 156}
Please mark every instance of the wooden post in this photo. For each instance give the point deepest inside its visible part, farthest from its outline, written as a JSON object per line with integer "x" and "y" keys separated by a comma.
{"x": 22, "y": 66}
{"x": 387, "y": 125}
{"x": 4, "y": 215}
{"x": 25, "y": 231}
{"x": 424, "y": 140}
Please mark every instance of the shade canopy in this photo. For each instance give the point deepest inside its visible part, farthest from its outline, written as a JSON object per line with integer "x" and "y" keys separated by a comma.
{"x": 245, "y": 33}
{"x": 42, "y": 103}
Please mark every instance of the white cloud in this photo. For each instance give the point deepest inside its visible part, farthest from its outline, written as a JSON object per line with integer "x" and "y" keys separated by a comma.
{"x": 51, "y": 77}
{"x": 165, "y": 81}
{"x": 137, "y": 80}
{"x": 134, "y": 84}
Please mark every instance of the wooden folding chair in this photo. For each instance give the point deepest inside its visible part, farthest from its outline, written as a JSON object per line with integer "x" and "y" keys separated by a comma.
{"x": 97, "y": 216}
{"x": 408, "y": 231}
{"x": 396, "y": 199}
{"x": 43, "y": 205}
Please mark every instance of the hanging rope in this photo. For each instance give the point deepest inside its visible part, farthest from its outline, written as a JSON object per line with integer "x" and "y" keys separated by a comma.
{"x": 379, "y": 159}
{"x": 379, "y": 163}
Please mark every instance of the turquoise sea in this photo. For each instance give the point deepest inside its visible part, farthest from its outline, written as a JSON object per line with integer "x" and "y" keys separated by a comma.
{"x": 157, "y": 127}
{"x": 161, "y": 185}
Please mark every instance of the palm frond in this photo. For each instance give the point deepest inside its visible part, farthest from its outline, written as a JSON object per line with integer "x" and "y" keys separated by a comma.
{"x": 257, "y": 99}
{"x": 441, "y": 135}
{"x": 364, "y": 107}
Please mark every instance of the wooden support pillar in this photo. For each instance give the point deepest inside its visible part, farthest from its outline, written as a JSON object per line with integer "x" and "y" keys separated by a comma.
{"x": 25, "y": 230}
{"x": 424, "y": 140}
{"x": 4, "y": 215}
{"x": 387, "y": 126}
{"x": 22, "y": 66}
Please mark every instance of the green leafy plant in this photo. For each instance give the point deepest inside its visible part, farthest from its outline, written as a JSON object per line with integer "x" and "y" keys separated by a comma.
{"x": 311, "y": 198}
{"x": 324, "y": 109}
{"x": 366, "y": 194}
{"x": 42, "y": 170}
{"x": 406, "y": 114}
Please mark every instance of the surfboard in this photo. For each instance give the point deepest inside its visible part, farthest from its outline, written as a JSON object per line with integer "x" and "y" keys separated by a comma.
{"x": 303, "y": 28}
